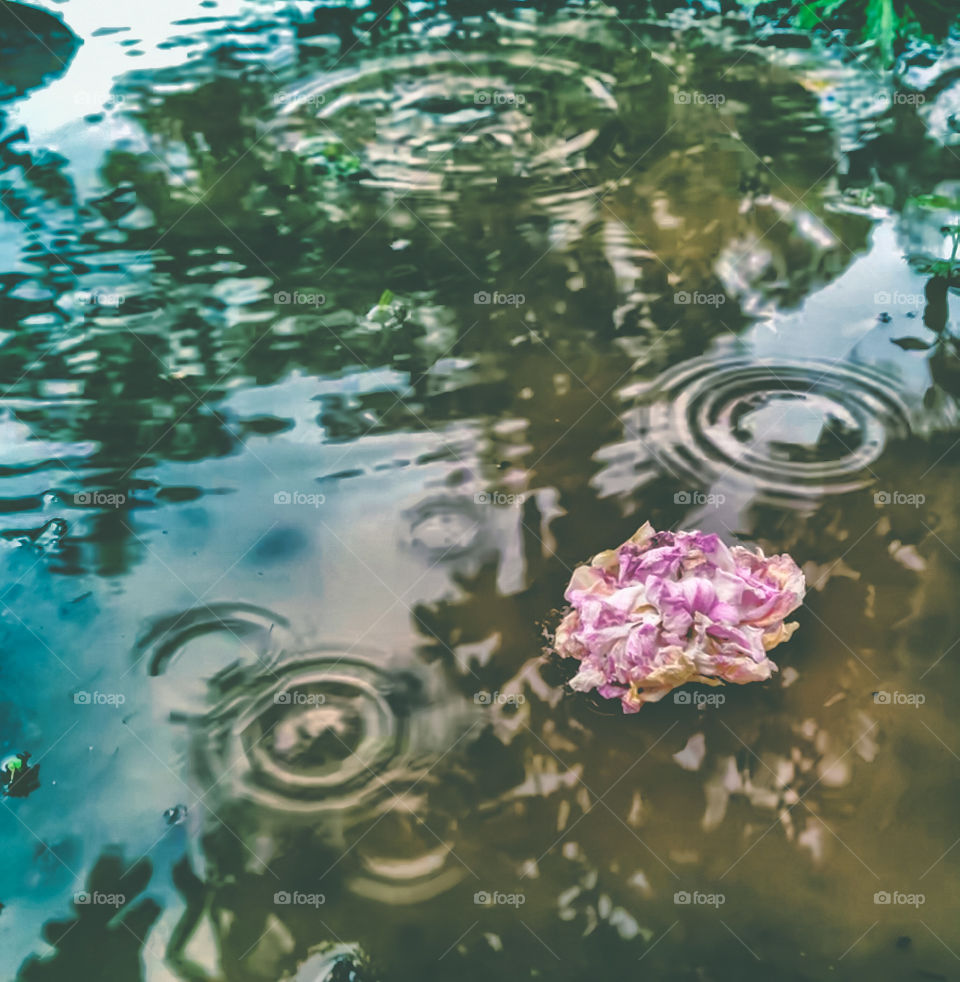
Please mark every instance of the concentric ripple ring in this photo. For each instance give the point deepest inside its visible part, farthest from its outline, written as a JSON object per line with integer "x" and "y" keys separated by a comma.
{"x": 790, "y": 429}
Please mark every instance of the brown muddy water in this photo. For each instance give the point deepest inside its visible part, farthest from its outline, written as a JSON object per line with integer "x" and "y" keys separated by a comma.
{"x": 328, "y": 348}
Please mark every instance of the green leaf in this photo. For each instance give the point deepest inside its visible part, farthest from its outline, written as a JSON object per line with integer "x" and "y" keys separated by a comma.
{"x": 815, "y": 13}
{"x": 934, "y": 201}
{"x": 883, "y": 25}
{"x": 386, "y": 298}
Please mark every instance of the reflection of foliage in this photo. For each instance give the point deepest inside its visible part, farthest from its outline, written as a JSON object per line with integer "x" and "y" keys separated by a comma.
{"x": 944, "y": 274}
{"x": 103, "y": 940}
{"x": 34, "y": 46}
{"x": 213, "y": 177}
{"x": 224, "y": 209}
{"x": 933, "y": 266}
{"x": 885, "y": 26}
{"x": 341, "y": 161}
{"x": 880, "y": 22}
{"x": 195, "y": 321}
{"x": 945, "y": 268}
{"x": 944, "y": 349}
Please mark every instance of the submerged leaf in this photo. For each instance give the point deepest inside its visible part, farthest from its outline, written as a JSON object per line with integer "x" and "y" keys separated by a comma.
{"x": 912, "y": 344}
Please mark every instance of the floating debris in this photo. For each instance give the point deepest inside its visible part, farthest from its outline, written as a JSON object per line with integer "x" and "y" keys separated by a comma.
{"x": 667, "y": 608}
{"x": 175, "y": 815}
{"x": 17, "y": 777}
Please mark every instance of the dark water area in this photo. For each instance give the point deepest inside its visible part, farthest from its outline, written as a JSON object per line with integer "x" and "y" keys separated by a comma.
{"x": 330, "y": 342}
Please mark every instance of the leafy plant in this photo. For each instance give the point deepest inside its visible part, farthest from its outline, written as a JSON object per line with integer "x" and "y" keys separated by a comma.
{"x": 947, "y": 269}
{"x": 944, "y": 349}
{"x": 881, "y": 24}
{"x": 341, "y": 161}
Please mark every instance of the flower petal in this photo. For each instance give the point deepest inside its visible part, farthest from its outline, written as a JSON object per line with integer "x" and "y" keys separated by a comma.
{"x": 666, "y": 608}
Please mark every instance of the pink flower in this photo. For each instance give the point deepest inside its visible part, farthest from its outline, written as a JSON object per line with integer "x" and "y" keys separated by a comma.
{"x": 673, "y": 607}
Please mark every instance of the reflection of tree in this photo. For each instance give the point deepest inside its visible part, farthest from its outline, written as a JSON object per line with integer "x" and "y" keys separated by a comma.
{"x": 106, "y": 935}
{"x": 199, "y": 316}
{"x": 256, "y": 938}
{"x": 929, "y": 229}
{"x": 862, "y": 565}
{"x": 212, "y": 176}
{"x": 34, "y": 46}
{"x": 199, "y": 312}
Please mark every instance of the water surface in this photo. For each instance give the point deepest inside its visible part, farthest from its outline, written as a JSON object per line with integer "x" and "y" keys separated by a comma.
{"x": 330, "y": 346}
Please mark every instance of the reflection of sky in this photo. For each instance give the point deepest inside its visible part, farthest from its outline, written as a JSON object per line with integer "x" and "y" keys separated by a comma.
{"x": 54, "y": 114}
{"x": 879, "y": 282}
{"x": 86, "y": 85}
{"x": 11, "y": 247}
{"x": 109, "y": 772}
{"x": 841, "y": 322}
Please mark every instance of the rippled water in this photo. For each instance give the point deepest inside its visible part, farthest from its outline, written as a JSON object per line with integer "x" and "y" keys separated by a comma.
{"x": 801, "y": 428}
{"x": 331, "y": 344}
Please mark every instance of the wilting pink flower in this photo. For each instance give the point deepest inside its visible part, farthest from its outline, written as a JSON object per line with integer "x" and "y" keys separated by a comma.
{"x": 673, "y": 607}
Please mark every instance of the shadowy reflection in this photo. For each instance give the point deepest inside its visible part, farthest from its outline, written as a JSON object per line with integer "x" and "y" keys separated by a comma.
{"x": 34, "y": 46}
{"x": 106, "y": 935}
{"x": 616, "y": 189}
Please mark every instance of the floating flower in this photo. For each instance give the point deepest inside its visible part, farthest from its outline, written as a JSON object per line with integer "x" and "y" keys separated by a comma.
{"x": 673, "y": 607}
